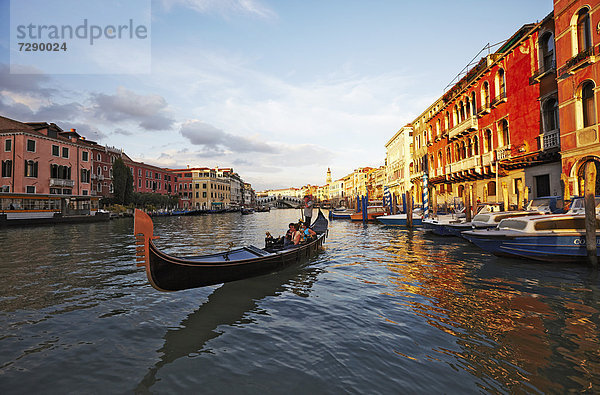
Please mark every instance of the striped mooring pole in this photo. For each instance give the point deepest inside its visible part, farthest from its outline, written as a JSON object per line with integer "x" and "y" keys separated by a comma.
{"x": 425, "y": 197}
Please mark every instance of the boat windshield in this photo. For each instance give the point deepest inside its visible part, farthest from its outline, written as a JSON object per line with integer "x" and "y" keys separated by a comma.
{"x": 578, "y": 205}
{"x": 516, "y": 224}
{"x": 536, "y": 204}
{"x": 481, "y": 218}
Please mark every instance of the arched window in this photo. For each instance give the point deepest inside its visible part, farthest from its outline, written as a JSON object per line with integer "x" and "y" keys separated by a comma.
{"x": 550, "y": 112}
{"x": 488, "y": 142}
{"x": 467, "y": 107}
{"x": 547, "y": 51}
{"x": 440, "y": 157}
{"x": 491, "y": 188}
{"x": 448, "y": 155}
{"x": 485, "y": 95}
{"x": 461, "y": 116}
{"x": 473, "y": 103}
{"x": 447, "y": 120}
{"x": 500, "y": 84}
{"x": 454, "y": 116}
{"x": 584, "y": 32}
{"x": 588, "y": 104}
{"x": 461, "y": 189}
{"x": 438, "y": 129}
{"x": 475, "y": 145}
{"x": 503, "y": 135}
{"x": 581, "y": 175}
{"x": 469, "y": 148}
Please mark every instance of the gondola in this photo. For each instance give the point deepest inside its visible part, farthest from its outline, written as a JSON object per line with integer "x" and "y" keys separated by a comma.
{"x": 175, "y": 273}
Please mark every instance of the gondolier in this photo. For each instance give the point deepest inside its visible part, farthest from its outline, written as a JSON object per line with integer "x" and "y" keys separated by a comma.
{"x": 308, "y": 209}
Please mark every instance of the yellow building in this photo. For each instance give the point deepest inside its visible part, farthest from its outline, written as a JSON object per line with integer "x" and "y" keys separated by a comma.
{"x": 208, "y": 188}
{"x": 398, "y": 161}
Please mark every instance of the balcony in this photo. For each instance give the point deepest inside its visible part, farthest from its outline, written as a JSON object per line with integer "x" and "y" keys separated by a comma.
{"x": 57, "y": 182}
{"x": 550, "y": 140}
{"x": 500, "y": 98}
{"x": 578, "y": 61}
{"x": 466, "y": 164}
{"x": 544, "y": 70}
{"x": 483, "y": 109}
{"x": 98, "y": 177}
{"x": 487, "y": 159}
{"x": 504, "y": 152}
{"x": 470, "y": 123}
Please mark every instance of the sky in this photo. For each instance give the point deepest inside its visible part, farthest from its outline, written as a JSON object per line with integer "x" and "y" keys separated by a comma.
{"x": 279, "y": 90}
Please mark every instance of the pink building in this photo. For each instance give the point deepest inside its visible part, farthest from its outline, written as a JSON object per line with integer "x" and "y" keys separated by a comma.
{"x": 41, "y": 158}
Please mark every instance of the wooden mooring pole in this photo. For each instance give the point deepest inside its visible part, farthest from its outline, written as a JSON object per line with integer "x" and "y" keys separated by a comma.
{"x": 590, "y": 213}
{"x": 467, "y": 201}
{"x": 409, "y": 209}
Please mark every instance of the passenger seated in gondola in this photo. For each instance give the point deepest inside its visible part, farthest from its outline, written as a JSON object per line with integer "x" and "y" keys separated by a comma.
{"x": 307, "y": 233}
{"x": 296, "y": 235}
{"x": 271, "y": 242}
{"x": 288, "y": 239}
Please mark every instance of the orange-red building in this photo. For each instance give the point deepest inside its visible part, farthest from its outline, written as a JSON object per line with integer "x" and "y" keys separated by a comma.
{"x": 495, "y": 131}
{"x": 577, "y": 55}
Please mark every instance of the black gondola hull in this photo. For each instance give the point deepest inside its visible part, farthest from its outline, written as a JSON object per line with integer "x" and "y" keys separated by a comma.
{"x": 174, "y": 273}
{"x": 167, "y": 273}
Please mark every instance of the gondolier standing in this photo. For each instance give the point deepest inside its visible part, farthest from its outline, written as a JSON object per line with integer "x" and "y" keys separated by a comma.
{"x": 308, "y": 209}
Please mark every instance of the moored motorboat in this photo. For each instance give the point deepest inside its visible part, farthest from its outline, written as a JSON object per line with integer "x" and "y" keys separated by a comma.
{"x": 372, "y": 213}
{"x": 445, "y": 225}
{"x": 174, "y": 273}
{"x": 455, "y": 224}
{"x": 551, "y": 238}
{"x": 341, "y": 213}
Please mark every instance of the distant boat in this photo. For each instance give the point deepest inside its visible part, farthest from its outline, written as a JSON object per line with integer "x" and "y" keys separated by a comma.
{"x": 372, "y": 213}
{"x": 341, "y": 213}
{"x": 246, "y": 211}
{"x": 550, "y": 238}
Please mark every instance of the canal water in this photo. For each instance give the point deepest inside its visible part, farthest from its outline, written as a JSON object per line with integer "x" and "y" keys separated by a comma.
{"x": 380, "y": 310}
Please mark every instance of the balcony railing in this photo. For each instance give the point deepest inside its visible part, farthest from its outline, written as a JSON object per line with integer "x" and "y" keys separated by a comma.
{"x": 483, "y": 109}
{"x": 466, "y": 164}
{"x": 470, "y": 123}
{"x": 57, "y": 182}
{"x": 583, "y": 57}
{"x": 98, "y": 177}
{"x": 551, "y": 139}
{"x": 487, "y": 158}
{"x": 503, "y": 152}
{"x": 500, "y": 98}
{"x": 542, "y": 71}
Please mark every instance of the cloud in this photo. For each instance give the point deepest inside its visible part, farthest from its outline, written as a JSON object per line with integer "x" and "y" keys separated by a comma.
{"x": 148, "y": 110}
{"x": 23, "y": 83}
{"x": 123, "y": 132}
{"x": 212, "y": 138}
{"x": 86, "y": 130}
{"x": 224, "y": 7}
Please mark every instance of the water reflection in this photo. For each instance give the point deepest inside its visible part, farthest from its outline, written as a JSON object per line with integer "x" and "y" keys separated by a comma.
{"x": 228, "y": 305}
{"x": 508, "y": 335}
